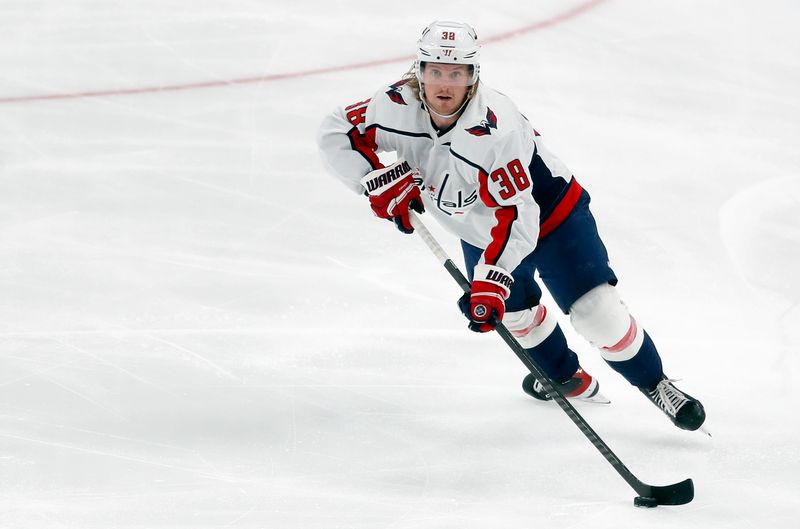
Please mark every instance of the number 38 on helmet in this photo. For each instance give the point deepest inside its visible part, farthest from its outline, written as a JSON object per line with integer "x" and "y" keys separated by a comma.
{"x": 449, "y": 43}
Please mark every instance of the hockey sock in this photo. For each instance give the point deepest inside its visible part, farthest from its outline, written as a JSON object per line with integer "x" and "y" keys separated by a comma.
{"x": 554, "y": 357}
{"x": 643, "y": 369}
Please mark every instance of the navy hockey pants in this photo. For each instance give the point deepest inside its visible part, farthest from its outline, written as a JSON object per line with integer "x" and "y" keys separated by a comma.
{"x": 571, "y": 260}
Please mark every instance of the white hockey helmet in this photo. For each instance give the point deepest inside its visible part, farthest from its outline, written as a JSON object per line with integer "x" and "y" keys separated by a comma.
{"x": 449, "y": 43}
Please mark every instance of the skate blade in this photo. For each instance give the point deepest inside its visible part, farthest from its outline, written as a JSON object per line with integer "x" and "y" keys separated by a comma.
{"x": 597, "y": 398}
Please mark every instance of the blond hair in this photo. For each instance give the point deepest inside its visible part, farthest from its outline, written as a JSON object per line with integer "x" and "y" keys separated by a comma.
{"x": 410, "y": 77}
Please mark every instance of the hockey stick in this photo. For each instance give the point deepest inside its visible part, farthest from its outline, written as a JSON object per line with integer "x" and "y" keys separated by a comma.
{"x": 649, "y": 495}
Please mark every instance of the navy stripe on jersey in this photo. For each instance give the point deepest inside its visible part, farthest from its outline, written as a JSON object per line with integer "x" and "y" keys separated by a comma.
{"x": 473, "y": 164}
{"x": 400, "y": 132}
{"x": 547, "y": 189}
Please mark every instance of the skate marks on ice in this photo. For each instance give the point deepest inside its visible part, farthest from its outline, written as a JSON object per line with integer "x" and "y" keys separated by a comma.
{"x": 761, "y": 231}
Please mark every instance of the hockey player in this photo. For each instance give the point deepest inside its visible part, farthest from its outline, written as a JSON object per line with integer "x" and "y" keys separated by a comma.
{"x": 467, "y": 156}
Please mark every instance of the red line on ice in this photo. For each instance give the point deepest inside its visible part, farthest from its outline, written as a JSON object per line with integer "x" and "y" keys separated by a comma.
{"x": 555, "y": 20}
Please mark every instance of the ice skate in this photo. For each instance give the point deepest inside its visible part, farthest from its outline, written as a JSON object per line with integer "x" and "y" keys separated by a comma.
{"x": 683, "y": 410}
{"x": 581, "y": 386}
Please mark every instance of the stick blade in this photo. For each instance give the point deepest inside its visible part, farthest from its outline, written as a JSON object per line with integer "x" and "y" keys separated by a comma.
{"x": 675, "y": 494}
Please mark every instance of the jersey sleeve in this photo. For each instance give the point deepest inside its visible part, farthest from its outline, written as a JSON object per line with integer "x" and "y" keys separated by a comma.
{"x": 505, "y": 188}
{"x": 347, "y": 144}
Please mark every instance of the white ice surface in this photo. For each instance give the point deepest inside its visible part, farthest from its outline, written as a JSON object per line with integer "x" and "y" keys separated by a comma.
{"x": 199, "y": 328}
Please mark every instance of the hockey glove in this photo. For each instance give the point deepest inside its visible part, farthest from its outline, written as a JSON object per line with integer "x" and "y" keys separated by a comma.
{"x": 392, "y": 192}
{"x": 485, "y": 305}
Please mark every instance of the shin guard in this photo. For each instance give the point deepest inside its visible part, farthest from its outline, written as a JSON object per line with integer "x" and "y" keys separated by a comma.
{"x": 601, "y": 317}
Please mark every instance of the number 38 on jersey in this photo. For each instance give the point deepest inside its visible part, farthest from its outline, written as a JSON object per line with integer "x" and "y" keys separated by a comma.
{"x": 512, "y": 179}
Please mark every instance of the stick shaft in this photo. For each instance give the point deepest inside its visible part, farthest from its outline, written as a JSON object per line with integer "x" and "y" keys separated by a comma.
{"x": 548, "y": 384}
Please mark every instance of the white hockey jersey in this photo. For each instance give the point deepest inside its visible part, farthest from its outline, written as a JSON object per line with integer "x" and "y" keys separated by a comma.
{"x": 484, "y": 178}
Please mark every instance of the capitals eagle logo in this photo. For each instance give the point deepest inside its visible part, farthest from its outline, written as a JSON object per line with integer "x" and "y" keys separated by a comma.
{"x": 394, "y": 92}
{"x": 486, "y": 126}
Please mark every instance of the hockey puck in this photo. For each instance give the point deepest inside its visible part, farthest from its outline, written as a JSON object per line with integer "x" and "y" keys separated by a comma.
{"x": 645, "y": 501}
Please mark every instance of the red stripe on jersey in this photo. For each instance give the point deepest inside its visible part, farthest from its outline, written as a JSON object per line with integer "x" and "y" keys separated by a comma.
{"x": 562, "y": 210}
{"x": 500, "y": 234}
{"x": 483, "y": 189}
{"x": 365, "y": 145}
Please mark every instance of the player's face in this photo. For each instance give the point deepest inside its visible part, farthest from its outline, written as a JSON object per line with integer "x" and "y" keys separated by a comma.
{"x": 445, "y": 86}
